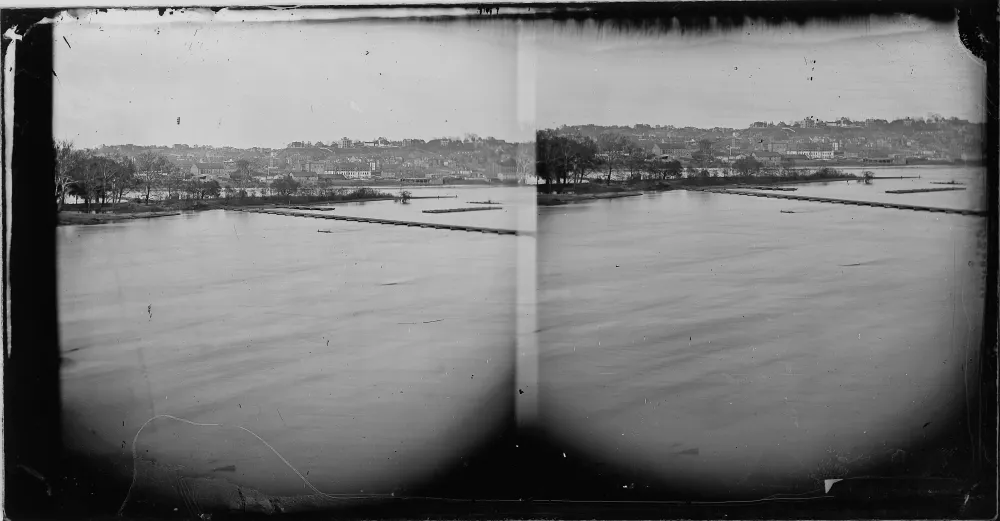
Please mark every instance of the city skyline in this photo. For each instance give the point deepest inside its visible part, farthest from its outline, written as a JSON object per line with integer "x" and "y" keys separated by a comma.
{"x": 265, "y": 85}
{"x": 362, "y": 139}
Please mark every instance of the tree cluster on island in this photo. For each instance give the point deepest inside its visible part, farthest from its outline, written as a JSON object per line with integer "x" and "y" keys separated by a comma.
{"x": 104, "y": 181}
{"x": 564, "y": 159}
{"x": 100, "y": 180}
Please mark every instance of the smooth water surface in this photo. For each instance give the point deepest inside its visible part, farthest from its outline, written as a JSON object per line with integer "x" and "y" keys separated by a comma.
{"x": 515, "y": 211}
{"x": 712, "y": 340}
{"x": 369, "y": 358}
{"x": 973, "y": 180}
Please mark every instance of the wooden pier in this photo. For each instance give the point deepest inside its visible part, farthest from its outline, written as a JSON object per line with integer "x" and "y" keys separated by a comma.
{"x": 312, "y": 208}
{"x": 922, "y": 190}
{"x": 439, "y": 226}
{"x": 774, "y": 188}
{"x": 896, "y": 206}
{"x": 454, "y": 210}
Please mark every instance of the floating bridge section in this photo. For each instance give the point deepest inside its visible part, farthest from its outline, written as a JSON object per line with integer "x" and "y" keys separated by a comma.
{"x": 439, "y": 226}
{"x": 897, "y": 206}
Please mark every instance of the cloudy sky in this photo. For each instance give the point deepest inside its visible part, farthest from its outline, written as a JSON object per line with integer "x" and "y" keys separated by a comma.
{"x": 880, "y": 69}
{"x": 126, "y": 78}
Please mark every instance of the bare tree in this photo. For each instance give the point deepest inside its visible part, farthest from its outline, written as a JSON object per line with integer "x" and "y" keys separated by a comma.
{"x": 636, "y": 162}
{"x": 614, "y": 149}
{"x": 68, "y": 163}
{"x": 245, "y": 170}
{"x": 525, "y": 160}
{"x": 151, "y": 170}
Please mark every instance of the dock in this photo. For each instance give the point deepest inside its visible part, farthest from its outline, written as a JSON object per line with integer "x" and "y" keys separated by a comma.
{"x": 897, "y": 206}
{"x": 312, "y": 208}
{"x": 922, "y": 190}
{"x": 438, "y": 226}
{"x": 453, "y": 210}
{"x": 946, "y": 183}
{"x": 897, "y": 177}
{"x": 774, "y": 188}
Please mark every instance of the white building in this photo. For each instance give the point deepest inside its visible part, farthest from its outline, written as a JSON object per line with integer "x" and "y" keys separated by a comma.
{"x": 355, "y": 174}
{"x": 818, "y": 154}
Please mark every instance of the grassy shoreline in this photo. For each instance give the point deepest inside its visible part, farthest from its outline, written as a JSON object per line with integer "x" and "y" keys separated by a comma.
{"x": 594, "y": 191}
{"x": 559, "y": 199}
{"x": 74, "y": 214}
{"x": 86, "y": 219}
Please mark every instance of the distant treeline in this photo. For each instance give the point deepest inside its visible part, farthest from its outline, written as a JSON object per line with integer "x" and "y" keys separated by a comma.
{"x": 101, "y": 181}
{"x": 563, "y": 158}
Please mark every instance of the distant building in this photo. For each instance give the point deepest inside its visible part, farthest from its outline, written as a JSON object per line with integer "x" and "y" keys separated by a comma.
{"x": 878, "y": 160}
{"x": 355, "y": 174}
{"x": 645, "y": 144}
{"x": 208, "y": 169}
{"x": 184, "y": 165}
{"x": 822, "y": 153}
{"x": 306, "y": 178}
{"x": 780, "y": 147}
{"x": 676, "y": 150}
{"x": 767, "y": 158}
{"x": 723, "y": 157}
{"x": 422, "y": 180}
{"x": 316, "y": 167}
{"x": 851, "y": 152}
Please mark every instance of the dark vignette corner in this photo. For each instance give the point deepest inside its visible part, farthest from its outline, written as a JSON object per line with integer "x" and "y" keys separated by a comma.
{"x": 36, "y": 471}
{"x": 31, "y": 362}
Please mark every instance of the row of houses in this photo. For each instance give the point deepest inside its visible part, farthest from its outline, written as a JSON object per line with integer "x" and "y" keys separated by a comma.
{"x": 773, "y": 150}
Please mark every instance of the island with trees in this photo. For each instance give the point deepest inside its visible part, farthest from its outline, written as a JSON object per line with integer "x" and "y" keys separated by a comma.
{"x": 575, "y": 167}
{"x": 116, "y": 187}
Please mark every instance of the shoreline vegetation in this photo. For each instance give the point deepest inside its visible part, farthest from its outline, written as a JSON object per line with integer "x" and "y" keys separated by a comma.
{"x": 576, "y": 167}
{"x": 118, "y": 186}
{"x": 557, "y": 194}
{"x": 77, "y": 214}
{"x": 70, "y": 218}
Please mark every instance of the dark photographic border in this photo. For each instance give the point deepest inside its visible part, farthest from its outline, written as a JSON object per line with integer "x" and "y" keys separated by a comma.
{"x": 521, "y": 475}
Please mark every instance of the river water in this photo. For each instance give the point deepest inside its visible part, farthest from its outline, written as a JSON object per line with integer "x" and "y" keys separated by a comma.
{"x": 711, "y": 340}
{"x": 509, "y": 213}
{"x": 700, "y": 337}
{"x": 369, "y": 358}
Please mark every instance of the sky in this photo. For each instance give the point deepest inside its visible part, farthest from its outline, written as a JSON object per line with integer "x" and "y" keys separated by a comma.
{"x": 882, "y": 70}
{"x": 125, "y": 77}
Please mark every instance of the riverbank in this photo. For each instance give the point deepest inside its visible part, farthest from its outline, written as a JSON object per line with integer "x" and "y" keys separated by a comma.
{"x": 591, "y": 191}
{"x": 80, "y": 218}
{"x": 361, "y": 195}
{"x": 559, "y": 199}
{"x": 755, "y": 180}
